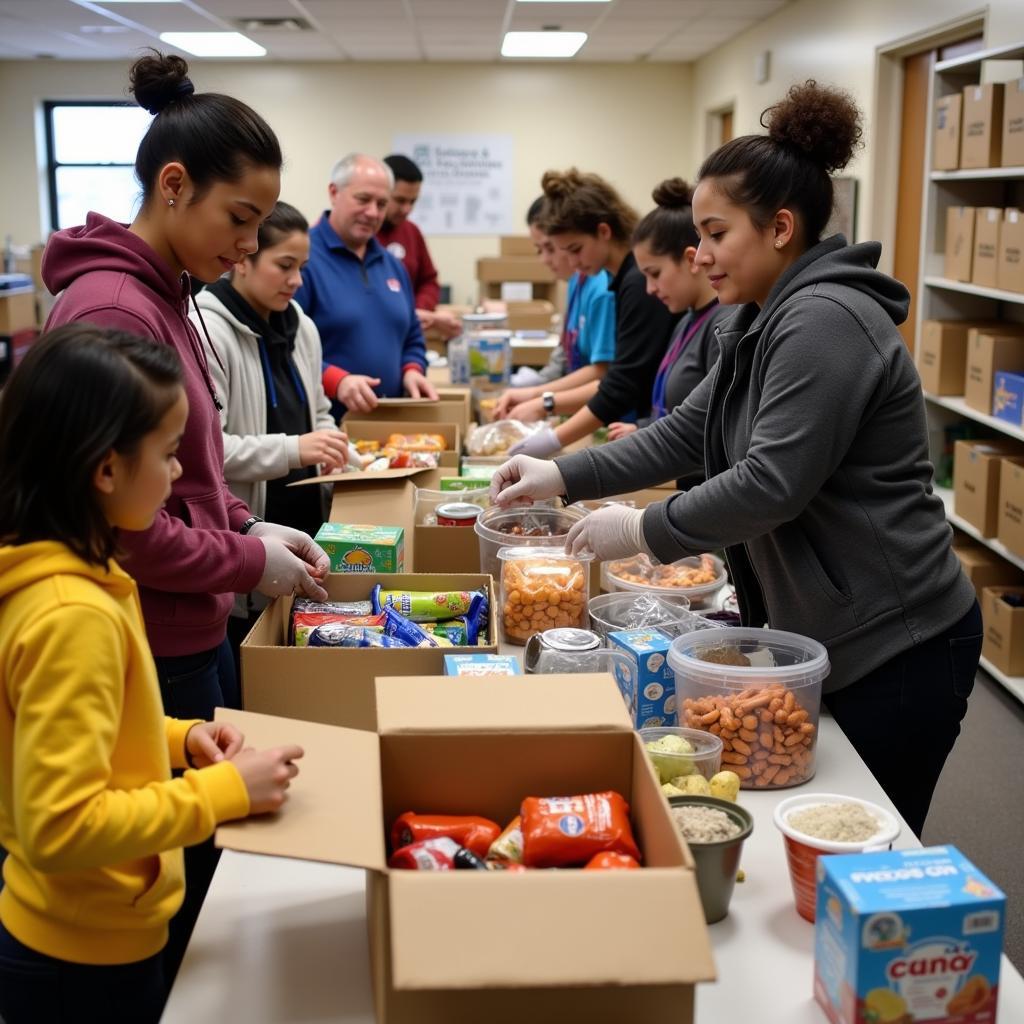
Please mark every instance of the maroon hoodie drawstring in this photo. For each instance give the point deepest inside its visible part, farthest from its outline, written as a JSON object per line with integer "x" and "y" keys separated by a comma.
{"x": 198, "y": 349}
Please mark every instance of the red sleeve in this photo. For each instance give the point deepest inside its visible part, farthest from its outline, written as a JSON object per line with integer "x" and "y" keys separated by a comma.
{"x": 332, "y": 376}
{"x": 428, "y": 291}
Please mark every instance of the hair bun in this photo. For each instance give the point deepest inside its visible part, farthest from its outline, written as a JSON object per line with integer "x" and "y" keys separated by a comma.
{"x": 821, "y": 122}
{"x": 159, "y": 79}
{"x": 559, "y": 184}
{"x": 673, "y": 194}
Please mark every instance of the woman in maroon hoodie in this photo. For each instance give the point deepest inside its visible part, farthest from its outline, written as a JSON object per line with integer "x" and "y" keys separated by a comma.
{"x": 210, "y": 171}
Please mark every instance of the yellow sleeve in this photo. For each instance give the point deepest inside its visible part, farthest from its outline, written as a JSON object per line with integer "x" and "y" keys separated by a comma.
{"x": 177, "y": 730}
{"x": 66, "y": 685}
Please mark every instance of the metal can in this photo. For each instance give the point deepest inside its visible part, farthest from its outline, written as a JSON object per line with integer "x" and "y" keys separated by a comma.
{"x": 566, "y": 642}
{"x": 457, "y": 513}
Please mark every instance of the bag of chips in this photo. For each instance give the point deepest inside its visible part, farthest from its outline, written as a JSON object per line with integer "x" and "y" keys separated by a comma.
{"x": 565, "y": 831}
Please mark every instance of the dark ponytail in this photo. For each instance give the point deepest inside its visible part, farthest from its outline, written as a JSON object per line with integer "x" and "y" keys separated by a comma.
{"x": 215, "y": 137}
{"x": 668, "y": 229}
{"x": 813, "y": 132}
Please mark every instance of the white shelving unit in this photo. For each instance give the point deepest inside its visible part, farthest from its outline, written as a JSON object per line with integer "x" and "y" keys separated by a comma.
{"x": 942, "y": 299}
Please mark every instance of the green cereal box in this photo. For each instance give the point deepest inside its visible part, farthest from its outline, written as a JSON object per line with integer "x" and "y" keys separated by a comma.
{"x": 465, "y": 483}
{"x": 361, "y": 547}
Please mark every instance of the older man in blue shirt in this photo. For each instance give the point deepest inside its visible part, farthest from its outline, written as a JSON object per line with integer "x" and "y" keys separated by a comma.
{"x": 360, "y": 297}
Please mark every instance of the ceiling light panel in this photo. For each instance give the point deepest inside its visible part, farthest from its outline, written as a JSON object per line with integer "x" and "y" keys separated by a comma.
{"x": 213, "y": 44}
{"x": 545, "y": 45}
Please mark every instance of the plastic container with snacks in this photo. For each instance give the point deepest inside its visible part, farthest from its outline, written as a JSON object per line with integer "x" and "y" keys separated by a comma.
{"x": 690, "y": 752}
{"x": 541, "y": 588}
{"x": 426, "y": 503}
{"x": 759, "y": 691}
{"x": 699, "y": 578}
{"x": 530, "y": 526}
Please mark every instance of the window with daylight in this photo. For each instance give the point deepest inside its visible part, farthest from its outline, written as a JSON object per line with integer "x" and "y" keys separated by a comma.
{"x": 90, "y": 158}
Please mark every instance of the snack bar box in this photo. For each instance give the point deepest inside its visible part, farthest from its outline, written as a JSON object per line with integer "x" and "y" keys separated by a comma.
{"x": 541, "y": 946}
{"x": 907, "y": 935}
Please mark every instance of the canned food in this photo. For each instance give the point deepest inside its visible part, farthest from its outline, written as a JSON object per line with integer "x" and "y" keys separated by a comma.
{"x": 457, "y": 513}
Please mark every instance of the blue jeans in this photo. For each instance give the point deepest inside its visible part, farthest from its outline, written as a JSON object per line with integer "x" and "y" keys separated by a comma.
{"x": 39, "y": 989}
{"x": 904, "y": 717}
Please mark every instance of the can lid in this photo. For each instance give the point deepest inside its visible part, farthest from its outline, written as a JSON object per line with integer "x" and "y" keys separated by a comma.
{"x": 570, "y": 639}
{"x": 459, "y": 510}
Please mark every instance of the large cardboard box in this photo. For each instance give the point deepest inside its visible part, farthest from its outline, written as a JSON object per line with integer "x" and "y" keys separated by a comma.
{"x": 976, "y": 472}
{"x": 1010, "y": 271}
{"x": 496, "y": 269}
{"x": 1004, "y": 630}
{"x": 544, "y": 946}
{"x": 982, "y": 136}
{"x": 1012, "y": 154}
{"x": 1010, "y": 523}
{"x": 999, "y": 347}
{"x": 982, "y": 566}
{"x": 359, "y": 429}
{"x": 458, "y": 397}
{"x": 332, "y": 684}
{"x": 517, "y": 245}
{"x": 449, "y": 408}
{"x": 946, "y": 133}
{"x": 986, "y": 246}
{"x": 17, "y": 310}
{"x": 942, "y": 356}
{"x": 959, "y": 243}
{"x": 535, "y": 315}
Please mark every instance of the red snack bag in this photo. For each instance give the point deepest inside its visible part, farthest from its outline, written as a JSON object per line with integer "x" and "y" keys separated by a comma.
{"x": 475, "y": 834}
{"x": 562, "y": 831}
{"x": 441, "y": 854}
{"x": 609, "y": 861}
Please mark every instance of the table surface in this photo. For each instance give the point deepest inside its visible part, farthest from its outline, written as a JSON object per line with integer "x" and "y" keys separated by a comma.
{"x": 284, "y": 940}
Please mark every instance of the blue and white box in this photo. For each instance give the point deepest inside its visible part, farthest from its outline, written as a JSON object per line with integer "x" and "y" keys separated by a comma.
{"x": 1008, "y": 397}
{"x": 648, "y": 686}
{"x": 481, "y": 665}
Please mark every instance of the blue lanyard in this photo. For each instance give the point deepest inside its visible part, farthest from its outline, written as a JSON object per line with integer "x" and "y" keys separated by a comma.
{"x": 670, "y": 359}
{"x": 570, "y": 335}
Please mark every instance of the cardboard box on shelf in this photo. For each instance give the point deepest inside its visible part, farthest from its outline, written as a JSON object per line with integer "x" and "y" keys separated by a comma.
{"x": 1004, "y": 630}
{"x": 17, "y": 310}
{"x": 530, "y": 316}
{"x": 359, "y": 429}
{"x": 517, "y": 245}
{"x": 942, "y": 356}
{"x": 976, "y": 472}
{"x": 1010, "y": 524}
{"x": 1008, "y": 397}
{"x": 1012, "y": 154}
{"x": 946, "y": 133}
{"x": 1010, "y": 270}
{"x": 982, "y": 136}
{"x": 480, "y": 746}
{"x": 959, "y": 243}
{"x": 335, "y": 684}
{"x": 496, "y": 269}
{"x": 986, "y": 246}
{"x": 998, "y": 347}
{"x": 982, "y": 566}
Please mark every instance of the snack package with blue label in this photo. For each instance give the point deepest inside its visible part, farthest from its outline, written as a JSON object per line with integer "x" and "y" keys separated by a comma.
{"x": 906, "y": 936}
{"x": 481, "y": 665}
{"x": 340, "y": 634}
{"x": 648, "y": 686}
{"x": 468, "y": 607}
{"x": 412, "y": 634}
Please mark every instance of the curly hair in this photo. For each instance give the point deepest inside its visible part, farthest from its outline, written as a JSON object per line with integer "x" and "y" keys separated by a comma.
{"x": 577, "y": 201}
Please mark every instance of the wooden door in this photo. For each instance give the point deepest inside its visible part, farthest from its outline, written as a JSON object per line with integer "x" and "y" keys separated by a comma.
{"x": 726, "y": 126}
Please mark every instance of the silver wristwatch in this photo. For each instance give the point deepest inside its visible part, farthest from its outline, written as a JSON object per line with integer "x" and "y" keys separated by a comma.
{"x": 548, "y": 398}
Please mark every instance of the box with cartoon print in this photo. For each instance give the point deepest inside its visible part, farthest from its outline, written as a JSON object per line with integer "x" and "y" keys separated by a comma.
{"x": 354, "y": 547}
{"x": 907, "y": 936}
{"x": 649, "y": 685}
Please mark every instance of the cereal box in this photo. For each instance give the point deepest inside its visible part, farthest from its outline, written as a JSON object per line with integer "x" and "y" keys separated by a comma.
{"x": 907, "y": 937}
{"x": 354, "y": 547}
{"x": 481, "y": 665}
{"x": 648, "y": 686}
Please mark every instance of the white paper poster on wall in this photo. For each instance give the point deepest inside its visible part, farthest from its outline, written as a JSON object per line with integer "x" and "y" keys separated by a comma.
{"x": 467, "y": 183}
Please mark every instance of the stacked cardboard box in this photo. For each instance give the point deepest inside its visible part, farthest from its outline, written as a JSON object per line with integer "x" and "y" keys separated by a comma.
{"x": 976, "y": 480}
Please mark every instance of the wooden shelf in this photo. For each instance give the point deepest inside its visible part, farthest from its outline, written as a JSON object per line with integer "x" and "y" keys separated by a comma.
{"x": 961, "y": 524}
{"x": 971, "y": 62}
{"x": 961, "y": 408}
{"x": 982, "y": 174}
{"x": 974, "y": 289}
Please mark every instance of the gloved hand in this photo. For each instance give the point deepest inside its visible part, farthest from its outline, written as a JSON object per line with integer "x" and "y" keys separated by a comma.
{"x": 540, "y": 445}
{"x": 523, "y": 480}
{"x": 294, "y": 562}
{"x": 615, "y": 531}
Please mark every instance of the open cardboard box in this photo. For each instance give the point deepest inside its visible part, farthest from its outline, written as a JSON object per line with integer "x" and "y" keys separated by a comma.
{"x": 542, "y": 946}
{"x": 448, "y": 409}
{"x": 335, "y": 684}
{"x": 359, "y": 429}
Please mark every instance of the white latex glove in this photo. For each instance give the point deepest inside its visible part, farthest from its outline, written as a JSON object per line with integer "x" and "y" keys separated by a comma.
{"x": 295, "y": 562}
{"x": 523, "y": 480}
{"x": 615, "y": 531}
{"x": 540, "y": 445}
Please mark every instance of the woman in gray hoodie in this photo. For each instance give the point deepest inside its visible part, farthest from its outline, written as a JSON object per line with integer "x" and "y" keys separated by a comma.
{"x": 811, "y": 432}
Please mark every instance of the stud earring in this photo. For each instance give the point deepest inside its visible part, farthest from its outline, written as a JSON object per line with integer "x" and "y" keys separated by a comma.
{"x": 170, "y": 202}
{"x": 778, "y": 244}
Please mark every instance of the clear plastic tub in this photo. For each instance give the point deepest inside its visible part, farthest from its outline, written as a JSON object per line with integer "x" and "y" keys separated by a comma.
{"x": 495, "y": 530}
{"x": 626, "y": 610}
{"x": 639, "y": 575}
{"x": 426, "y": 502}
{"x": 759, "y": 690}
{"x": 705, "y": 758}
{"x": 803, "y": 851}
{"x": 541, "y": 588}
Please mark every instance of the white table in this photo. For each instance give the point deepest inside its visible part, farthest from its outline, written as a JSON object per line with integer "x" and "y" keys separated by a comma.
{"x": 284, "y": 940}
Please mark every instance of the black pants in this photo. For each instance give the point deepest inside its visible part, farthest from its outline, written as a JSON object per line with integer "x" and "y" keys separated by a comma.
{"x": 904, "y": 717}
{"x": 35, "y": 988}
{"x": 238, "y": 630}
{"x": 192, "y": 686}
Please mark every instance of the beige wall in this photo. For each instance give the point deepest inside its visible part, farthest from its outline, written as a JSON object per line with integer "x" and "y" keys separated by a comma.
{"x": 628, "y": 122}
{"x": 835, "y": 41}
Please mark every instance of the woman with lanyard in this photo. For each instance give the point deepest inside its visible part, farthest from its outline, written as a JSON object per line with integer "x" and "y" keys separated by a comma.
{"x": 665, "y": 247}
{"x": 587, "y": 344}
{"x": 811, "y": 428}
{"x": 265, "y": 360}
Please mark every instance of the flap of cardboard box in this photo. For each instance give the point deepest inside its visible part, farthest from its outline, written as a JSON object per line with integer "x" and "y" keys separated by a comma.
{"x": 333, "y": 813}
{"x": 564, "y": 928}
{"x": 532, "y": 703}
{"x": 360, "y": 479}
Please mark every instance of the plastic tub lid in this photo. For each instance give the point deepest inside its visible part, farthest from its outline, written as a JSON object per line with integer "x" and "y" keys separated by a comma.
{"x": 797, "y": 660}
{"x": 694, "y": 593}
{"x": 889, "y": 825}
{"x": 552, "y": 553}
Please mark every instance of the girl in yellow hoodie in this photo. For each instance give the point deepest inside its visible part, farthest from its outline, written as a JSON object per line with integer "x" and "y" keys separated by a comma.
{"x": 90, "y": 816}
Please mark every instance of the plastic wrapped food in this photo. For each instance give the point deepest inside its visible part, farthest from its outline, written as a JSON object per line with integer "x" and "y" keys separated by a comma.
{"x": 682, "y": 574}
{"x": 441, "y": 854}
{"x": 461, "y": 632}
{"x": 410, "y": 633}
{"x": 508, "y": 846}
{"x": 424, "y": 606}
{"x": 474, "y": 833}
{"x": 304, "y": 623}
{"x": 340, "y": 634}
{"x": 563, "y": 831}
{"x": 541, "y": 588}
{"x": 609, "y": 861}
{"x": 416, "y": 442}
{"x": 496, "y": 438}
